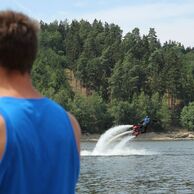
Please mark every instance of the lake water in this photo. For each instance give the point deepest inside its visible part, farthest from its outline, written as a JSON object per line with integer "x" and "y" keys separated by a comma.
{"x": 151, "y": 167}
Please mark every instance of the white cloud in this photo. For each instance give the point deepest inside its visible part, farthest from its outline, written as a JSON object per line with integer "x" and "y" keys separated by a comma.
{"x": 170, "y": 20}
{"x": 173, "y": 21}
{"x": 181, "y": 30}
{"x": 141, "y": 12}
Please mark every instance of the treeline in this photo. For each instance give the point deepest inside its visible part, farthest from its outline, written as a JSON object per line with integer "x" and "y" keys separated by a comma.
{"x": 126, "y": 77}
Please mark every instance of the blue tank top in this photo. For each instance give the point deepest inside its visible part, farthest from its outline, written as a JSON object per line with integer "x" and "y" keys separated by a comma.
{"x": 41, "y": 155}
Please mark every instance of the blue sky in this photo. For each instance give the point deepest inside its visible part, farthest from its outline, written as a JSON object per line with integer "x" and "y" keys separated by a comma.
{"x": 172, "y": 19}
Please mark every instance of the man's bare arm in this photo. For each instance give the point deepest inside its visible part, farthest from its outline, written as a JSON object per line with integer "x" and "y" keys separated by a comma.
{"x": 77, "y": 129}
{"x": 2, "y": 137}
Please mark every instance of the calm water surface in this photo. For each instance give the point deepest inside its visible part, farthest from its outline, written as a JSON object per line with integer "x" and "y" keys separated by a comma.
{"x": 154, "y": 167}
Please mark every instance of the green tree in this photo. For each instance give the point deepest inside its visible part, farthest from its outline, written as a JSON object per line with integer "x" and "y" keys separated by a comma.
{"x": 73, "y": 44}
{"x": 165, "y": 71}
{"x": 154, "y": 43}
{"x": 187, "y": 118}
{"x": 141, "y": 105}
{"x": 126, "y": 79}
{"x": 164, "y": 114}
{"x": 49, "y": 77}
{"x": 91, "y": 113}
{"x": 122, "y": 112}
{"x": 132, "y": 44}
{"x": 187, "y": 92}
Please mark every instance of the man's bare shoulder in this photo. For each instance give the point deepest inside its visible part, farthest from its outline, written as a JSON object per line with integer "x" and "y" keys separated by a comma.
{"x": 77, "y": 129}
{"x": 2, "y": 137}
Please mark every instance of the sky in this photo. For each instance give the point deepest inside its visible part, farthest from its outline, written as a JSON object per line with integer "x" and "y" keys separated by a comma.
{"x": 172, "y": 19}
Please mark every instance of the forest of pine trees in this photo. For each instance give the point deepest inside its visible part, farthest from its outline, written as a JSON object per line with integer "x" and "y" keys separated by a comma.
{"x": 124, "y": 77}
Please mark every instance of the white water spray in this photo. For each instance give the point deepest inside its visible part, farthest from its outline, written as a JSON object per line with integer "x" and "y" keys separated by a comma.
{"x": 109, "y": 140}
{"x": 114, "y": 142}
{"x": 122, "y": 143}
{"x": 119, "y": 136}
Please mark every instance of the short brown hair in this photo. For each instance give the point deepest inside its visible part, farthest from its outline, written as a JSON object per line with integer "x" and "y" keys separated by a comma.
{"x": 18, "y": 41}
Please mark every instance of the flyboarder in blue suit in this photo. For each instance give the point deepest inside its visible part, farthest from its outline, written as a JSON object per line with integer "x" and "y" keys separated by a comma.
{"x": 144, "y": 124}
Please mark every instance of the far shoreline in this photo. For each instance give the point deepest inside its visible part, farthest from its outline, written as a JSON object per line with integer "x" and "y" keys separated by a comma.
{"x": 150, "y": 136}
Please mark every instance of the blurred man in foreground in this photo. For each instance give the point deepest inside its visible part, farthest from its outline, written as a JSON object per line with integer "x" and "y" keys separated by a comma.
{"x": 39, "y": 140}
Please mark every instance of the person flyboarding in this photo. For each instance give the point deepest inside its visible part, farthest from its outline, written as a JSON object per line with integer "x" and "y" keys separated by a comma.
{"x": 144, "y": 124}
{"x": 141, "y": 127}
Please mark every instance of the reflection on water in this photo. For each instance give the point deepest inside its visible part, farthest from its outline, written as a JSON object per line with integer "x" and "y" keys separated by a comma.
{"x": 168, "y": 170}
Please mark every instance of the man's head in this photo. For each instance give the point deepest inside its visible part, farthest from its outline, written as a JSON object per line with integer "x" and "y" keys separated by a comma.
{"x": 18, "y": 41}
